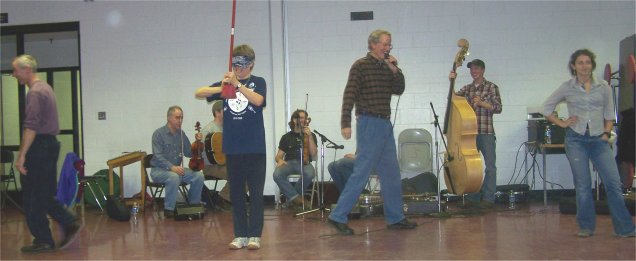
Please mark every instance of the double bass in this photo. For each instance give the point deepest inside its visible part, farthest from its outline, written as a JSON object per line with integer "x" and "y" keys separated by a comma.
{"x": 463, "y": 171}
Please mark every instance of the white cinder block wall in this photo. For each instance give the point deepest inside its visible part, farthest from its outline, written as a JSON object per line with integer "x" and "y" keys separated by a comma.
{"x": 138, "y": 58}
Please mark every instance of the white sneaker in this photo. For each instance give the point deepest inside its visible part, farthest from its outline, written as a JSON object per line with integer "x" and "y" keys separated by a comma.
{"x": 254, "y": 243}
{"x": 238, "y": 243}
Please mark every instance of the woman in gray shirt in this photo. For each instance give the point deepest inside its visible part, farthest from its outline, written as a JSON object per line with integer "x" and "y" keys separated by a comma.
{"x": 590, "y": 106}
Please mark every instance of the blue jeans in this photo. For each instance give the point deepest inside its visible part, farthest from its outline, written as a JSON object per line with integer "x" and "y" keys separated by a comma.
{"x": 580, "y": 149}
{"x": 173, "y": 181}
{"x": 375, "y": 150}
{"x": 487, "y": 145}
{"x": 340, "y": 171}
{"x": 39, "y": 187}
{"x": 293, "y": 167}
{"x": 250, "y": 169}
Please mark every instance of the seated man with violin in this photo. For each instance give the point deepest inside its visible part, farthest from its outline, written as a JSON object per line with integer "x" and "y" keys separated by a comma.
{"x": 169, "y": 145}
{"x": 215, "y": 160}
{"x": 288, "y": 158}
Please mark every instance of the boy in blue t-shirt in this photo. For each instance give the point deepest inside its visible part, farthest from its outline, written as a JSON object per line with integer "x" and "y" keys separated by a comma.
{"x": 243, "y": 144}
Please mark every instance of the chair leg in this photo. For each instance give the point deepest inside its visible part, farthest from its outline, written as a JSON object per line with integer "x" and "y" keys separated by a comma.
{"x": 313, "y": 191}
{"x": 5, "y": 193}
{"x": 88, "y": 184}
{"x": 153, "y": 193}
{"x": 184, "y": 193}
{"x": 158, "y": 192}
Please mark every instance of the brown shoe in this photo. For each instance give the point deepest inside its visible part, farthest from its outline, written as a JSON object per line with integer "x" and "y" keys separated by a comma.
{"x": 299, "y": 201}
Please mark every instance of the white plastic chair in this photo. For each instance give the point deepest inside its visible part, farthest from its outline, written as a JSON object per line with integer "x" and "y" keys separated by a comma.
{"x": 415, "y": 151}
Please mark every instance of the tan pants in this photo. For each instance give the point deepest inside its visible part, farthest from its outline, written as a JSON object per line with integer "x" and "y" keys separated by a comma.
{"x": 219, "y": 172}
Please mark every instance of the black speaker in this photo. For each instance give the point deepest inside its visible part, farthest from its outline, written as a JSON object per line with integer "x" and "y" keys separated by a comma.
{"x": 536, "y": 132}
{"x": 116, "y": 209}
{"x": 422, "y": 183}
{"x": 184, "y": 211}
{"x": 331, "y": 193}
{"x": 421, "y": 207}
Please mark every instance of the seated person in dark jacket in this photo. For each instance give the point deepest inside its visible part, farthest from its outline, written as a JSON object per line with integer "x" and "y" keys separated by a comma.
{"x": 288, "y": 158}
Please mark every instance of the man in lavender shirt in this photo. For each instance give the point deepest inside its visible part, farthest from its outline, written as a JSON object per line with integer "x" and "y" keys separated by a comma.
{"x": 37, "y": 160}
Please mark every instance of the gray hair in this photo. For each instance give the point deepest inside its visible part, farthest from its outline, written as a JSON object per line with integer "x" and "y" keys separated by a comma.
{"x": 172, "y": 109}
{"x": 26, "y": 61}
{"x": 374, "y": 37}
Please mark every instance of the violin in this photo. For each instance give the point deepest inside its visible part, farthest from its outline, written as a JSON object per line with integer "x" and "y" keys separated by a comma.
{"x": 306, "y": 157}
{"x": 196, "y": 162}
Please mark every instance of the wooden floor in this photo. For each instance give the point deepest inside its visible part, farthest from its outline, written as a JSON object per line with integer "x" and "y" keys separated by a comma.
{"x": 529, "y": 232}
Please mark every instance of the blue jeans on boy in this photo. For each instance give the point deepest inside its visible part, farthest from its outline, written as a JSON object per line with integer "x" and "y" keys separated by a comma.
{"x": 487, "y": 145}
{"x": 39, "y": 187}
{"x": 580, "y": 149}
{"x": 376, "y": 150}
{"x": 293, "y": 167}
{"x": 173, "y": 181}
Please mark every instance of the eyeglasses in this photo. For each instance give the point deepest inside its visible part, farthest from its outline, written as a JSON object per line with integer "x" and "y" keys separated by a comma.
{"x": 386, "y": 45}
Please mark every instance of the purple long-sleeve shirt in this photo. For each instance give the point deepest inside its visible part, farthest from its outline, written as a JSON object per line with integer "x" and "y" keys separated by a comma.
{"x": 41, "y": 109}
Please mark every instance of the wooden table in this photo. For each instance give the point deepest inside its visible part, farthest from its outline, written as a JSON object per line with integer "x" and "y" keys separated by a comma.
{"x": 548, "y": 149}
{"x": 121, "y": 161}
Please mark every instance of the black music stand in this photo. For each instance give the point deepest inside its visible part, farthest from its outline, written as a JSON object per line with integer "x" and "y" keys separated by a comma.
{"x": 321, "y": 191}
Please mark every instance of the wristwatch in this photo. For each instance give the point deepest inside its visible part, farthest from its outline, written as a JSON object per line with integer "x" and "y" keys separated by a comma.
{"x": 239, "y": 85}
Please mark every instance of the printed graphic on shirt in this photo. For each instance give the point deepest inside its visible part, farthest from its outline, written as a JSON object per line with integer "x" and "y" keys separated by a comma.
{"x": 239, "y": 105}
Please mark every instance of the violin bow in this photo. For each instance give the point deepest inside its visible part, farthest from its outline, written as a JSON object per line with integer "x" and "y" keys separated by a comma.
{"x": 228, "y": 91}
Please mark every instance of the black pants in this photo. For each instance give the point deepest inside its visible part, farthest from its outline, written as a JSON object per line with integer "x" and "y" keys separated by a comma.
{"x": 250, "y": 169}
{"x": 39, "y": 187}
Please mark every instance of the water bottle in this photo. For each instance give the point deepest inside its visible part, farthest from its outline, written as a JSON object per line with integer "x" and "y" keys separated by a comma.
{"x": 548, "y": 135}
{"x": 133, "y": 212}
{"x": 511, "y": 200}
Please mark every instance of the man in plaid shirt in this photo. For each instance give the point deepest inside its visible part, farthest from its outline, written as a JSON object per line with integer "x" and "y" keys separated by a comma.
{"x": 484, "y": 97}
{"x": 373, "y": 80}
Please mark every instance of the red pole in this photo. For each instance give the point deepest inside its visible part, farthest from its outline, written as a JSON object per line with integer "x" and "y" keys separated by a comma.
{"x": 232, "y": 33}
{"x": 228, "y": 91}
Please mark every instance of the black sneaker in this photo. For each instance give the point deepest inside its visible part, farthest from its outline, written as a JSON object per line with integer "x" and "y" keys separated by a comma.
{"x": 168, "y": 213}
{"x": 70, "y": 233}
{"x": 403, "y": 224}
{"x": 341, "y": 227}
{"x": 37, "y": 248}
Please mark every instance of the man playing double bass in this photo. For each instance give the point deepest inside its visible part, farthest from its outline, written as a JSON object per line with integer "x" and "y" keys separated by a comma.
{"x": 484, "y": 98}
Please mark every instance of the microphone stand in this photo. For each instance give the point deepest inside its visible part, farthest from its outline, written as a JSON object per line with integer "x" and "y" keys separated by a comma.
{"x": 321, "y": 191}
{"x": 301, "y": 158}
{"x": 438, "y": 169}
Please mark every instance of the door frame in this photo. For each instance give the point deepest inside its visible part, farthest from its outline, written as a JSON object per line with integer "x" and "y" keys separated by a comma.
{"x": 19, "y": 31}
